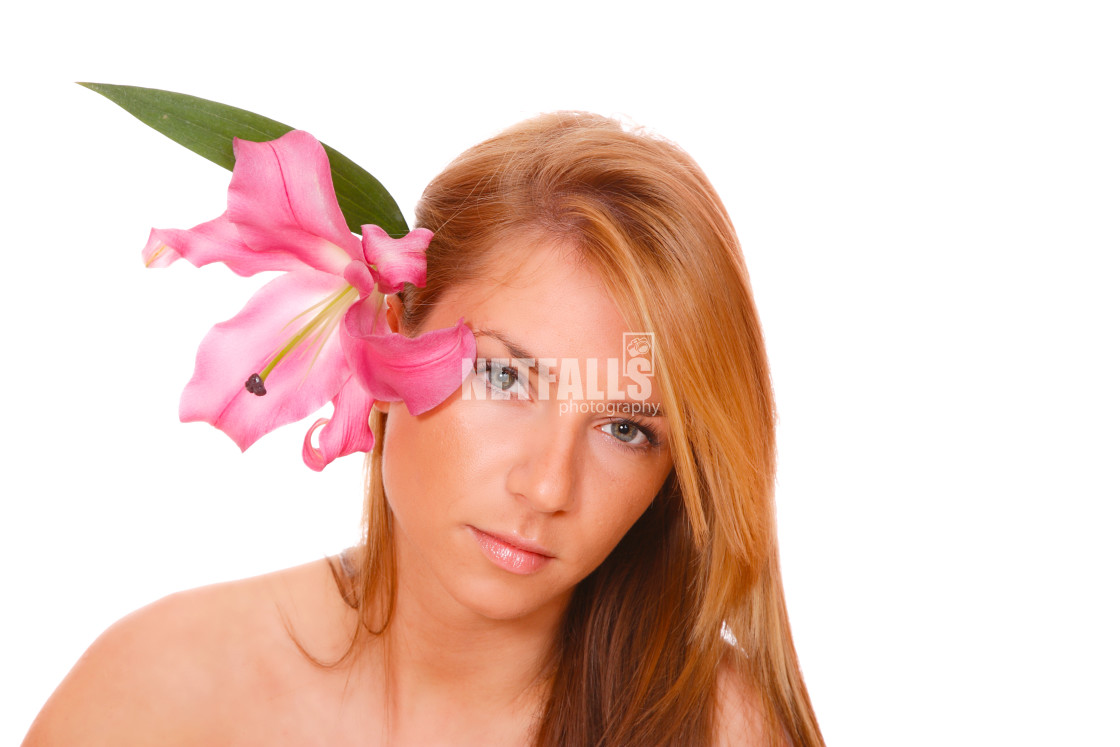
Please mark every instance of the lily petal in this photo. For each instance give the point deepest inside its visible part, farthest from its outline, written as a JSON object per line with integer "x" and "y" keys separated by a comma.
{"x": 396, "y": 261}
{"x": 281, "y": 198}
{"x": 347, "y": 430}
{"x": 359, "y": 275}
{"x": 235, "y": 349}
{"x": 214, "y": 241}
{"x": 421, "y": 371}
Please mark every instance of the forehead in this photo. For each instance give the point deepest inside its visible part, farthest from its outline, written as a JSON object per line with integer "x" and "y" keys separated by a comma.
{"x": 541, "y": 294}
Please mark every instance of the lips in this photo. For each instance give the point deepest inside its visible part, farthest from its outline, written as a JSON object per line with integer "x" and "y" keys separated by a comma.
{"x": 512, "y": 554}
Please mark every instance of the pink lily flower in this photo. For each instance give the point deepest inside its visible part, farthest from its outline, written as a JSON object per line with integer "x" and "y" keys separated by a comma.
{"x": 289, "y": 352}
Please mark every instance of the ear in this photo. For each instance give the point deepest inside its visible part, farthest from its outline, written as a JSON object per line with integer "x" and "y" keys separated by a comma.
{"x": 394, "y": 312}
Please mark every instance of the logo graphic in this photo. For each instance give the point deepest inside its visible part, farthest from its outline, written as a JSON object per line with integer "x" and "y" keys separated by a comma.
{"x": 637, "y": 346}
{"x": 579, "y": 382}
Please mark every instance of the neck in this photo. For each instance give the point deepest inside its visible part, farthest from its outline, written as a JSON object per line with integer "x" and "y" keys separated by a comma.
{"x": 440, "y": 653}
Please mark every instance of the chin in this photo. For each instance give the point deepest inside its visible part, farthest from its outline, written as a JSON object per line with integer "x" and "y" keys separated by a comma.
{"x": 495, "y": 600}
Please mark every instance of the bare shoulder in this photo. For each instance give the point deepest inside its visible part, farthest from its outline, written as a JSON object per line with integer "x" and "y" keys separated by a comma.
{"x": 740, "y": 712}
{"x": 169, "y": 672}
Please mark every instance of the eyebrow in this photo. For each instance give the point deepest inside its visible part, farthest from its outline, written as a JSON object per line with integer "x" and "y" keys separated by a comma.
{"x": 516, "y": 351}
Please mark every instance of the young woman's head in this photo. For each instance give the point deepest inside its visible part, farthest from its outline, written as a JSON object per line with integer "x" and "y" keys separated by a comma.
{"x": 568, "y": 237}
{"x": 519, "y": 460}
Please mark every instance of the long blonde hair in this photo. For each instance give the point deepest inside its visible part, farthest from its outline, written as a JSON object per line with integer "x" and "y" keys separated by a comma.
{"x": 639, "y": 648}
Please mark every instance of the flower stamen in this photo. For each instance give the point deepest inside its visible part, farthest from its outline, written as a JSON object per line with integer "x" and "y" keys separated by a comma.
{"x": 255, "y": 385}
{"x": 318, "y": 328}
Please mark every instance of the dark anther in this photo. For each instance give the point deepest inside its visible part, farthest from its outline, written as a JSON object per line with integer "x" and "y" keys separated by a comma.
{"x": 255, "y": 385}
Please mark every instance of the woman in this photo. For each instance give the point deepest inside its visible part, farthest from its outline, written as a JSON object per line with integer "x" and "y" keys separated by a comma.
{"x": 552, "y": 556}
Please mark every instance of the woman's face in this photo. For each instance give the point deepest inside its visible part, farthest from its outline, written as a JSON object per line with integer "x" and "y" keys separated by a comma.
{"x": 512, "y": 491}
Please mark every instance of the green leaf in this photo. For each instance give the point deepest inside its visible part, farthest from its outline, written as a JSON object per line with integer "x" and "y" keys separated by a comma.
{"x": 208, "y": 128}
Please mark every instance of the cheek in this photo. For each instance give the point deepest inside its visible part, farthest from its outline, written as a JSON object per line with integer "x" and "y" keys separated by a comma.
{"x": 437, "y": 459}
{"x": 613, "y": 503}
{"x": 416, "y": 462}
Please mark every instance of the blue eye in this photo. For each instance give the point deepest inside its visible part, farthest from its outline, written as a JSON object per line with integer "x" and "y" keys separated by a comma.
{"x": 501, "y": 378}
{"x": 629, "y": 432}
{"x": 502, "y": 381}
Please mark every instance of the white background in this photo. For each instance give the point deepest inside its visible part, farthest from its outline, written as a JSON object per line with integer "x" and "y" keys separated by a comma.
{"x": 927, "y": 194}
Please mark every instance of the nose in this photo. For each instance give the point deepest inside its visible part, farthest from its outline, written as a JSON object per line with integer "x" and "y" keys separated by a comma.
{"x": 544, "y": 472}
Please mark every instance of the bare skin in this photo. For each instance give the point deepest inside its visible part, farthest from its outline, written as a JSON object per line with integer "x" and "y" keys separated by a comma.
{"x": 217, "y": 665}
{"x": 213, "y": 666}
